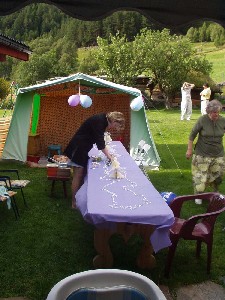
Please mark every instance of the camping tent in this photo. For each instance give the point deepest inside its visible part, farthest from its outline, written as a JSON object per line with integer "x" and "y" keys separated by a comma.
{"x": 43, "y": 110}
{"x": 171, "y": 14}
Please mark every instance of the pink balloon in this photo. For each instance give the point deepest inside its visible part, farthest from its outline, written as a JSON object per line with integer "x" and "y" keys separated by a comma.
{"x": 74, "y": 100}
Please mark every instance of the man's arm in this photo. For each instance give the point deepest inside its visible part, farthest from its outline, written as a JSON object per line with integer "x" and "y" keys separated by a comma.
{"x": 107, "y": 154}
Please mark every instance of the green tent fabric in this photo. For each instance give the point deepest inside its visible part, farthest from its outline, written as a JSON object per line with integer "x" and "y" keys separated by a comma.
{"x": 36, "y": 110}
{"x": 17, "y": 139}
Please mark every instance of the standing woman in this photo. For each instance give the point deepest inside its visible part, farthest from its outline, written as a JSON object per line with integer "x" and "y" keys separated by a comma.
{"x": 205, "y": 97}
{"x": 186, "y": 103}
{"x": 90, "y": 132}
{"x": 208, "y": 163}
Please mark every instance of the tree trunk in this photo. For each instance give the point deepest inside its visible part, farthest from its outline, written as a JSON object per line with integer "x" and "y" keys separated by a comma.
{"x": 168, "y": 100}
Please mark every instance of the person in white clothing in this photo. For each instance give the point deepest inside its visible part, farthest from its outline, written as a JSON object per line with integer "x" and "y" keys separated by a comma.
{"x": 205, "y": 97}
{"x": 186, "y": 103}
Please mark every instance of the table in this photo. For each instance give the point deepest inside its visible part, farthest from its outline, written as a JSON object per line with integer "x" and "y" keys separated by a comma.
{"x": 58, "y": 174}
{"x": 63, "y": 180}
{"x": 125, "y": 206}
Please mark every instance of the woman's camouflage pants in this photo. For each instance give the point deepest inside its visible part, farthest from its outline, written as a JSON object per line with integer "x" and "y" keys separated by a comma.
{"x": 207, "y": 171}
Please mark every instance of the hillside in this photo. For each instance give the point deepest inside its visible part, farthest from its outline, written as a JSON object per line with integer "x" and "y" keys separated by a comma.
{"x": 41, "y": 19}
{"x": 217, "y": 57}
{"x": 62, "y": 45}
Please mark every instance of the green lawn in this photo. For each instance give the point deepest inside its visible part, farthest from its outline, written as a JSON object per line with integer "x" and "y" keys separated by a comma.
{"x": 217, "y": 57}
{"x": 50, "y": 241}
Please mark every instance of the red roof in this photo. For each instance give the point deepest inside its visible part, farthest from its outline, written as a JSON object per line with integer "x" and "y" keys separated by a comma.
{"x": 13, "y": 48}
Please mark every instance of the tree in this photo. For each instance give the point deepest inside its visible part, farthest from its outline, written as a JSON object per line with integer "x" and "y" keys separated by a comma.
{"x": 168, "y": 59}
{"x": 115, "y": 57}
{"x": 6, "y": 67}
{"x": 203, "y": 33}
{"x": 38, "y": 68}
{"x": 88, "y": 64}
{"x": 50, "y": 58}
{"x": 4, "y": 88}
{"x": 207, "y": 32}
{"x": 193, "y": 34}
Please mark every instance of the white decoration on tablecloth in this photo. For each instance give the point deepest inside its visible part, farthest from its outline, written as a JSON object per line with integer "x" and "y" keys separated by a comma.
{"x": 107, "y": 138}
{"x": 116, "y": 170}
{"x": 130, "y": 187}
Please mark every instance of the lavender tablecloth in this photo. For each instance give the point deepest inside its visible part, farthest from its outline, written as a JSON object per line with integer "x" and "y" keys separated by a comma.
{"x": 133, "y": 199}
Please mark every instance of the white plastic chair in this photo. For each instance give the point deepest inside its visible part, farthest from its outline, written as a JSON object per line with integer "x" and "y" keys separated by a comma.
{"x": 107, "y": 284}
{"x": 146, "y": 147}
{"x": 138, "y": 150}
{"x": 141, "y": 155}
{"x": 141, "y": 143}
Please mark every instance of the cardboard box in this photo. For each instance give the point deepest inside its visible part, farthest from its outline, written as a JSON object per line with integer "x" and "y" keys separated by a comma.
{"x": 33, "y": 147}
{"x": 54, "y": 171}
{"x": 33, "y": 158}
{"x": 63, "y": 172}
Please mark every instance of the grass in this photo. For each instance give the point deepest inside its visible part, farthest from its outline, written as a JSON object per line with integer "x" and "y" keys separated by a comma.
{"x": 50, "y": 241}
{"x": 216, "y": 55}
{"x": 47, "y": 243}
{"x": 171, "y": 136}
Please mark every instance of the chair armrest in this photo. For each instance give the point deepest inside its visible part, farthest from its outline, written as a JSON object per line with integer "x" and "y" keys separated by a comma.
{"x": 176, "y": 203}
{"x": 190, "y": 224}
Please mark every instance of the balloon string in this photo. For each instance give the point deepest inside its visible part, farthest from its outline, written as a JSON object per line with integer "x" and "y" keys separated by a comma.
{"x": 79, "y": 87}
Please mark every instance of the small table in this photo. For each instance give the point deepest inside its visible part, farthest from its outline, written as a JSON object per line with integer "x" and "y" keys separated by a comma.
{"x": 62, "y": 179}
{"x": 56, "y": 173}
{"x": 125, "y": 206}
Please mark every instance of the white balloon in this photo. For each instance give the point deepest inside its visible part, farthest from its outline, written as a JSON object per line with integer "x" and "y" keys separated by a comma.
{"x": 137, "y": 103}
{"x": 85, "y": 101}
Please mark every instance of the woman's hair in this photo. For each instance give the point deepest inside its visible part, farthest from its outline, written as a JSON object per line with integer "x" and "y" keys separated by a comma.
{"x": 117, "y": 117}
{"x": 214, "y": 106}
{"x": 206, "y": 84}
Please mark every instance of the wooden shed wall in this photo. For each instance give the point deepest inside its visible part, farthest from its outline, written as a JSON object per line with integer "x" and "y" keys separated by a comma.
{"x": 58, "y": 121}
{"x": 4, "y": 128}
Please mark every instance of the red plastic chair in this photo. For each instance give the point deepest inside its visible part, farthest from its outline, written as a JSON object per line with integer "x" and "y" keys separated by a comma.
{"x": 199, "y": 227}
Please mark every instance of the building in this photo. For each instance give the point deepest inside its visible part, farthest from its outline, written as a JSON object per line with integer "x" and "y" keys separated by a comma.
{"x": 13, "y": 48}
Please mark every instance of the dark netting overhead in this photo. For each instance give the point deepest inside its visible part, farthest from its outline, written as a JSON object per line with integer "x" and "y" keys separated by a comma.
{"x": 167, "y": 13}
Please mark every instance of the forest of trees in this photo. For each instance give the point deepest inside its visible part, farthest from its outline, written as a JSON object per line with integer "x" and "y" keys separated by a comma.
{"x": 38, "y": 20}
{"x": 208, "y": 32}
{"x": 55, "y": 37}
